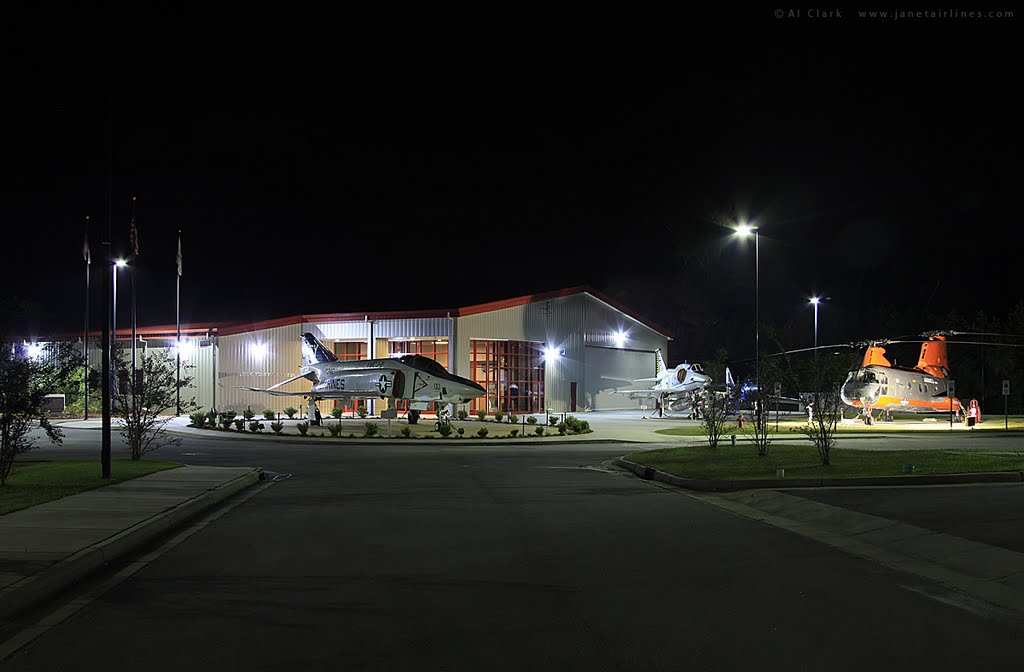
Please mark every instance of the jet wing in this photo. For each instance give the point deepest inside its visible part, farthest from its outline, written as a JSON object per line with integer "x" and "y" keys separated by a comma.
{"x": 640, "y": 394}
{"x": 276, "y": 393}
{"x": 272, "y": 390}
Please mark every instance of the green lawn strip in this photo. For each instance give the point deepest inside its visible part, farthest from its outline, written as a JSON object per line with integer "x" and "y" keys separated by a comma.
{"x": 801, "y": 461}
{"x": 791, "y": 427}
{"x": 32, "y": 483}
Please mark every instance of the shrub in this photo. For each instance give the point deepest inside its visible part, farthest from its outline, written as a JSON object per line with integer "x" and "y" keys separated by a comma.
{"x": 539, "y": 431}
{"x": 562, "y": 427}
{"x": 361, "y": 412}
{"x": 336, "y": 412}
{"x": 498, "y": 416}
{"x": 482, "y": 432}
{"x": 406, "y": 432}
{"x": 255, "y": 426}
{"x": 268, "y": 414}
{"x": 303, "y": 427}
{"x": 513, "y": 418}
{"x": 462, "y": 430}
{"x": 463, "y": 414}
{"x": 515, "y": 433}
{"x": 584, "y": 427}
{"x": 225, "y": 421}
{"x": 277, "y": 426}
{"x": 211, "y": 418}
{"x": 552, "y": 420}
{"x": 239, "y": 424}
{"x": 531, "y": 420}
{"x": 334, "y": 429}
{"x": 290, "y": 412}
{"x": 248, "y": 414}
{"x": 198, "y": 419}
{"x": 445, "y": 431}
{"x": 573, "y": 424}
{"x": 370, "y": 429}
{"x": 482, "y": 415}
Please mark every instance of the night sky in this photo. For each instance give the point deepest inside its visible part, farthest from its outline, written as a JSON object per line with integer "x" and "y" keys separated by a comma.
{"x": 337, "y": 160}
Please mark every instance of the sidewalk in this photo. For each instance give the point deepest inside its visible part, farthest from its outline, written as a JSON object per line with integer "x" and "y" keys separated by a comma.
{"x": 46, "y": 548}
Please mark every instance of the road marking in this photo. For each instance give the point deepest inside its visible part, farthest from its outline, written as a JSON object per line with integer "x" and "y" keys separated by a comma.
{"x": 27, "y": 635}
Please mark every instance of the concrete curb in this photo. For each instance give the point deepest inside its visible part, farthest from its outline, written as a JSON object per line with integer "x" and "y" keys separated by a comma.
{"x": 34, "y": 589}
{"x": 652, "y": 474}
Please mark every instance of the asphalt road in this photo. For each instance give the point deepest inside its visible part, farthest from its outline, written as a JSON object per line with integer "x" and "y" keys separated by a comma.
{"x": 422, "y": 557}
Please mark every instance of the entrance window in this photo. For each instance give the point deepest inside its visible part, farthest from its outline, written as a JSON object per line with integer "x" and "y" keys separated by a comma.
{"x": 511, "y": 373}
{"x": 433, "y": 348}
{"x": 347, "y": 351}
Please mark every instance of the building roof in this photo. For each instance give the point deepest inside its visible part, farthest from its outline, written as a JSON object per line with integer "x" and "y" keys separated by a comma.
{"x": 238, "y": 327}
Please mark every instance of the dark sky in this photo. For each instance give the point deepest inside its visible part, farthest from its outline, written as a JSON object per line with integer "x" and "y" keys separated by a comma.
{"x": 335, "y": 160}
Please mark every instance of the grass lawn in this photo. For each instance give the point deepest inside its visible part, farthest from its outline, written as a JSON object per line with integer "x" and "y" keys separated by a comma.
{"x": 910, "y": 423}
{"x": 801, "y": 461}
{"x": 32, "y": 483}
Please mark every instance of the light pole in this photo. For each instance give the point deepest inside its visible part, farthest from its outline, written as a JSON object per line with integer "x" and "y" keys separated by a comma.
{"x": 745, "y": 230}
{"x": 118, "y": 265}
{"x": 815, "y": 301}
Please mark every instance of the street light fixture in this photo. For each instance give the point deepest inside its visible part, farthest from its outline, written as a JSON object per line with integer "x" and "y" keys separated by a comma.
{"x": 118, "y": 265}
{"x": 815, "y": 301}
{"x": 746, "y": 230}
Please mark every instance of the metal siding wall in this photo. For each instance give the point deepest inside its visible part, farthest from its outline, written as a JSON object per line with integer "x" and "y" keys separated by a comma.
{"x": 238, "y": 366}
{"x": 428, "y": 327}
{"x": 603, "y": 321}
{"x": 201, "y": 372}
{"x": 432, "y": 327}
{"x": 340, "y": 331}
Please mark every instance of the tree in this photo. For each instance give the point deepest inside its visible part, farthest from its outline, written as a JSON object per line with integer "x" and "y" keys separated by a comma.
{"x": 824, "y": 376}
{"x": 27, "y": 375}
{"x": 715, "y": 402}
{"x": 140, "y": 402}
{"x": 713, "y": 420}
{"x": 772, "y": 371}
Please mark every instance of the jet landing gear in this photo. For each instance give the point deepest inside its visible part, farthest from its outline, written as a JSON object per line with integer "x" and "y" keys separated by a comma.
{"x": 313, "y": 413}
{"x": 444, "y": 417}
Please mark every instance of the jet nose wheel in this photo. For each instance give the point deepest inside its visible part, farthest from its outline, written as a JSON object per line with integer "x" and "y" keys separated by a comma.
{"x": 437, "y": 426}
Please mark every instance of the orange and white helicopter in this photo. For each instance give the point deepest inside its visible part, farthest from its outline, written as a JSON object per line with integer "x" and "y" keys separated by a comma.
{"x": 923, "y": 388}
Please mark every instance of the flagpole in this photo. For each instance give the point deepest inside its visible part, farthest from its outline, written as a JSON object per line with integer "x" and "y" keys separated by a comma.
{"x": 108, "y": 258}
{"x": 85, "y": 335}
{"x": 177, "y": 312}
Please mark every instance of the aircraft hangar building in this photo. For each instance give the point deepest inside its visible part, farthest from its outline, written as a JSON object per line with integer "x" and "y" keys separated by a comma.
{"x": 566, "y": 351}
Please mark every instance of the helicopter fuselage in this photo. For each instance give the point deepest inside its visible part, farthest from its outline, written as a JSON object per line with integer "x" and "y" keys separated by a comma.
{"x": 892, "y": 388}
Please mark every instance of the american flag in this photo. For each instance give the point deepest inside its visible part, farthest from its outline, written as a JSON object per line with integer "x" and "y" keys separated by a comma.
{"x": 133, "y": 236}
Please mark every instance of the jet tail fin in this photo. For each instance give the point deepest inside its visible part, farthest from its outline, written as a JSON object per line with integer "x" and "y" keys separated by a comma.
{"x": 729, "y": 382}
{"x": 659, "y": 364}
{"x": 313, "y": 351}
